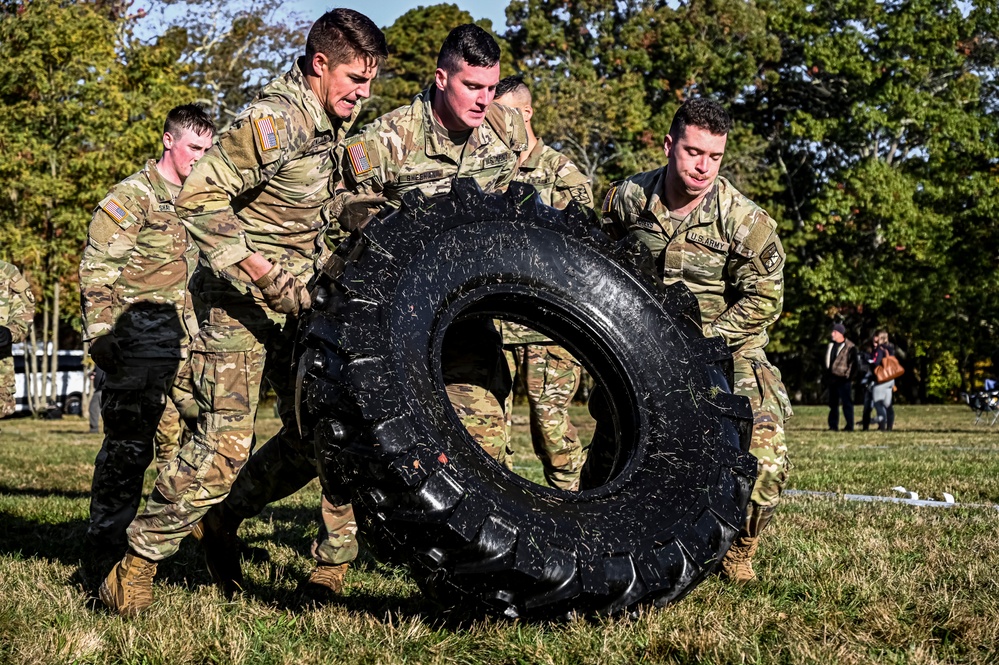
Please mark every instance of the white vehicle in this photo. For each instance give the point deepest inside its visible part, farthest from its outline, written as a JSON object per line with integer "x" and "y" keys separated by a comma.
{"x": 70, "y": 380}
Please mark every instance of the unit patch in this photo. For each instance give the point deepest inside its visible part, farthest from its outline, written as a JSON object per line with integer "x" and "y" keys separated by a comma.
{"x": 115, "y": 209}
{"x": 580, "y": 194}
{"x": 609, "y": 200}
{"x": 770, "y": 257}
{"x": 267, "y": 133}
{"x": 713, "y": 243}
{"x": 359, "y": 161}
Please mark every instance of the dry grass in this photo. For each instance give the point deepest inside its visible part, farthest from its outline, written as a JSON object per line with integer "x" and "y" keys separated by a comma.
{"x": 841, "y": 582}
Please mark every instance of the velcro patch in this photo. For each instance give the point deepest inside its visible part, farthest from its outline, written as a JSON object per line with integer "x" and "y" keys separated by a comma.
{"x": 421, "y": 177}
{"x": 713, "y": 243}
{"x": 115, "y": 209}
{"x": 495, "y": 160}
{"x": 770, "y": 257}
{"x": 267, "y": 133}
{"x": 609, "y": 200}
{"x": 359, "y": 160}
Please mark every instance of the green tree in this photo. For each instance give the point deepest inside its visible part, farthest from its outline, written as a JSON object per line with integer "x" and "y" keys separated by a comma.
{"x": 232, "y": 49}
{"x": 414, "y": 41}
{"x": 879, "y": 119}
{"x": 78, "y": 117}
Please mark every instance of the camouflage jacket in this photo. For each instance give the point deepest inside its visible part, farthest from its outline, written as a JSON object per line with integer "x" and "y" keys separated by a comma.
{"x": 263, "y": 186}
{"x": 556, "y": 178}
{"x": 136, "y": 267}
{"x": 408, "y": 149}
{"x": 17, "y": 302}
{"x": 727, "y": 251}
{"x": 558, "y": 181}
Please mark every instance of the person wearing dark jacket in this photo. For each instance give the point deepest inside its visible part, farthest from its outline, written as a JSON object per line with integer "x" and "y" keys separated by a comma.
{"x": 841, "y": 365}
{"x": 881, "y": 393}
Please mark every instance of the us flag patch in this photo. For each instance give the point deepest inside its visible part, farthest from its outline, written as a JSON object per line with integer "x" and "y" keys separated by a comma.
{"x": 266, "y": 133}
{"x": 359, "y": 158}
{"x": 115, "y": 210}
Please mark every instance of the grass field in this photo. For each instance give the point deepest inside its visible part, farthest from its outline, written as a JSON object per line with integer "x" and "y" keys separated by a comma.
{"x": 840, "y": 582}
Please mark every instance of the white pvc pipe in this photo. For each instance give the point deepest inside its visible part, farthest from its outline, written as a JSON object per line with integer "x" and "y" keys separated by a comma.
{"x": 888, "y": 499}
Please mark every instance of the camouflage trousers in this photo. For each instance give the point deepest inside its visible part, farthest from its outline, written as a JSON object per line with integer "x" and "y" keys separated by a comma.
{"x": 7, "y": 403}
{"x": 477, "y": 383}
{"x": 241, "y": 345}
{"x": 551, "y": 378}
{"x": 140, "y": 423}
{"x": 760, "y": 381}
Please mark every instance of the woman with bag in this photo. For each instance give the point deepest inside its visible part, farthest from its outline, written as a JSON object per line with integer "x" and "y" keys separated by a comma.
{"x": 886, "y": 370}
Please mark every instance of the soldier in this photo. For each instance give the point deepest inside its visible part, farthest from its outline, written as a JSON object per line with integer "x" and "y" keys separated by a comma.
{"x": 725, "y": 248}
{"x": 451, "y": 128}
{"x": 254, "y": 206}
{"x": 17, "y": 311}
{"x": 138, "y": 318}
{"x": 550, "y": 374}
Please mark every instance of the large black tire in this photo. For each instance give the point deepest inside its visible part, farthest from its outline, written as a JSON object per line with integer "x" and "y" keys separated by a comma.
{"x": 675, "y": 477}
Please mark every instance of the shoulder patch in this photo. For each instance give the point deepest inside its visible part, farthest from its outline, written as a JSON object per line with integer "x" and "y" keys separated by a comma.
{"x": 267, "y": 133}
{"x": 609, "y": 200}
{"x": 770, "y": 257}
{"x": 580, "y": 194}
{"x": 360, "y": 162}
{"x": 114, "y": 209}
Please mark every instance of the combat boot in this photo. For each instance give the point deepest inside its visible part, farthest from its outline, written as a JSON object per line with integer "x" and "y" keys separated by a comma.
{"x": 325, "y": 581}
{"x": 128, "y": 588}
{"x": 737, "y": 565}
{"x": 221, "y": 546}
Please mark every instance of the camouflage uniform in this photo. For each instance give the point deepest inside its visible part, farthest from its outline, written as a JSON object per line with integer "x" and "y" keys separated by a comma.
{"x": 728, "y": 253}
{"x": 134, "y": 286}
{"x": 551, "y": 375}
{"x": 408, "y": 149}
{"x": 260, "y": 188}
{"x": 17, "y": 311}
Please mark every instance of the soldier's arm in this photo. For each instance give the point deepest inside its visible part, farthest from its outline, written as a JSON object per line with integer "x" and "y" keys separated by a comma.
{"x": 757, "y": 273}
{"x": 612, "y": 215}
{"x": 571, "y": 185}
{"x": 246, "y": 156}
{"x": 111, "y": 239}
{"x": 22, "y": 309}
{"x": 369, "y": 164}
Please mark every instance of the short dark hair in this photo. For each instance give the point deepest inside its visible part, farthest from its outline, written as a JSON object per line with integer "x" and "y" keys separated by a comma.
{"x": 703, "y": 114}
{"x": 188, "y": 116}
{"x": 468, "y": 44}
{"x": 343, "y": 35}
{"x": 511, "y": 84}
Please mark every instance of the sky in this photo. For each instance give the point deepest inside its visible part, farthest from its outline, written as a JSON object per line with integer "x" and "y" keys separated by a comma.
{"x": 385, "y": 12}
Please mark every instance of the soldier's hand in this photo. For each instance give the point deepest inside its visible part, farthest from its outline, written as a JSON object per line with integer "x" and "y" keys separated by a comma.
{"x": 352, "y": 211}
{"x": 283, "y": 292}
{"x": 105, "y": 352}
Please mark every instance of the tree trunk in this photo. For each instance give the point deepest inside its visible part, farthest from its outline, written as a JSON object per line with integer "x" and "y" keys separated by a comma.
{"x": 54, "y": 394}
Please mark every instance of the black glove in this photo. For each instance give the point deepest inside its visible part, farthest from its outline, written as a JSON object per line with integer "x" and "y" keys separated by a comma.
{"x": 105, "y": 352}
{"x": 6, "y": 343}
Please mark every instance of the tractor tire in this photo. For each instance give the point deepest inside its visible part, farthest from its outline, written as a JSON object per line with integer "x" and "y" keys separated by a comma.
{"x": 669, "y": 476}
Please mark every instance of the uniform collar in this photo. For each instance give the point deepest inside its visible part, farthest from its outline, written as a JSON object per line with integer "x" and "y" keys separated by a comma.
{"x": 706, "y": 212}
{"x": 165, "y": 190}
{"x": 438, "y": 142}
{"x": 302, "y": 93}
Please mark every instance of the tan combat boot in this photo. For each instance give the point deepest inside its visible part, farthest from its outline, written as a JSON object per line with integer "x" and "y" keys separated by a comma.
{"x": 128, "y": 588}
{"x": 737, "y": 565}
{"x": 222, "y": 548}
{"x": 325, "y": 581}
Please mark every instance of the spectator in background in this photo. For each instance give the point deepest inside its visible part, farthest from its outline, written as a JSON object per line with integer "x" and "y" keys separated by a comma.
{"x": 867, "y": 379}
{"x": 841, "y": 366}
{"x": 881, "y": 393}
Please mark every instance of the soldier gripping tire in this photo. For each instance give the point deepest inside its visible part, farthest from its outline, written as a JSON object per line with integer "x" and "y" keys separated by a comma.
{"x": 671, "y": 485}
